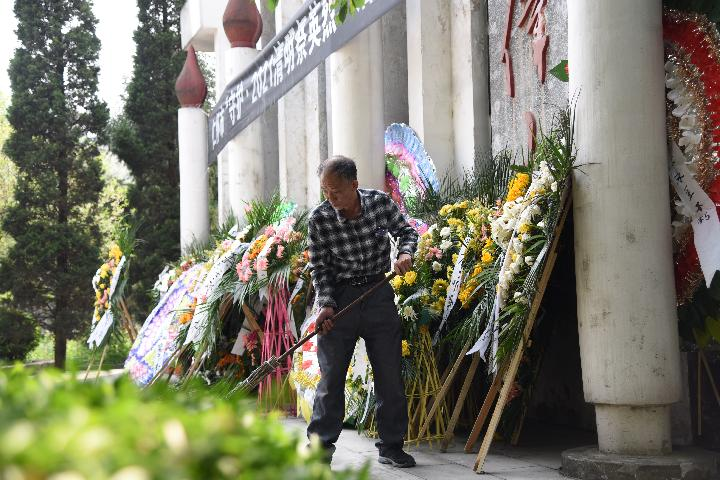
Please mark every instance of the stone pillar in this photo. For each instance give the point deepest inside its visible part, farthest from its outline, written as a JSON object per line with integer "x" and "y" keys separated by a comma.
{"x": 292, "y": 131}
{"x": 430, "y": 78}
{"x": 623, "y": 256}
{"x": 357, "y": 129}
{"x": 192, "y": 148}
{"x": 470, "y": 83}
{"x": 222, "y": 46}
{"x": 246, "y": 169}
{"x": 269, "y": 118}
{"x": 302, "y": 129}
{"x": 395, "y": 66}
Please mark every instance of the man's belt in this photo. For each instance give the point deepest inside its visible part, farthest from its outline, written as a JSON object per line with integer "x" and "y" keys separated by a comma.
{"x": 361, "y": 280}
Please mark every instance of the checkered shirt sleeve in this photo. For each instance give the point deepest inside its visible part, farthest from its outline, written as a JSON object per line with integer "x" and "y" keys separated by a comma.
{"x": 346, "y": 248}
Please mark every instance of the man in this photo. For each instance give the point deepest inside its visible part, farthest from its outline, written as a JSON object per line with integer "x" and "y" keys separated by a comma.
{"x": 350, "y": 252}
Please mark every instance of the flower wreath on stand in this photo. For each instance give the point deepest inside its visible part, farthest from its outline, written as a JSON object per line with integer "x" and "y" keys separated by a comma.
{"x": 693, "y": 120}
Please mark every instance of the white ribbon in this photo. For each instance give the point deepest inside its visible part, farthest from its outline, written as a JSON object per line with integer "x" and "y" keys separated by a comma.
{"x": 453, "y": 289}
{"x": 116, "y": 276}
{"x": 239, "y": 345}
{"x": 101, "y": 329}
{"x": 705, "y": 222}
{"x": 290, "y": 313}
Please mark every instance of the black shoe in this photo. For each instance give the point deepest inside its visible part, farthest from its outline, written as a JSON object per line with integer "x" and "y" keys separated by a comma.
{"x": 397, "y": 458}
{"x": 327, "y": 452}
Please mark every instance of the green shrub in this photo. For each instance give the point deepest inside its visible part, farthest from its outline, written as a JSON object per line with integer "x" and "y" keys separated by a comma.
{"x": 18, "y": 334}
{"x": 50, "y": 425}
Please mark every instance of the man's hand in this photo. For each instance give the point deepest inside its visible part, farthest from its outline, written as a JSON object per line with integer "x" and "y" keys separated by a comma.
{"x": 324, "y": 323}
{"x": 403, "y": 264}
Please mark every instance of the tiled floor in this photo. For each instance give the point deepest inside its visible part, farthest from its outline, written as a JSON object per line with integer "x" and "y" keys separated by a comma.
{"x": 538, "y": 458}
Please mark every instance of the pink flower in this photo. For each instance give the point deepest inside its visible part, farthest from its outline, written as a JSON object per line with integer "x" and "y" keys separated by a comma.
{"x": 433, "y": 252}
{"x": 243, "y": 272}
{"x": 280, "y": 250}
{"x": 226, "y": 244}
{"x": 269, "y": 231}
{"x": 261, "y": 264}
{"x": 282, "y": 232}
{"x": 247, "y": 207}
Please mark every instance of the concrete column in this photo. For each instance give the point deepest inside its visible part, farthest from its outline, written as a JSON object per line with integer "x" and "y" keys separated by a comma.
{"x": 395, "y": 66}
{"x": 430, "y": 78}
{"x": 316, "y": 131}
{"x": 470, "y": 83}
{"x": 356, "y": 80}
{"x": 246, "y": 169}
{"x": 192, "y": 149}
{"x": 623, "y": 256}
{"x": 269, "y": 119}
{"x": 292, "y": 131}
{"x": 222, "y": 45}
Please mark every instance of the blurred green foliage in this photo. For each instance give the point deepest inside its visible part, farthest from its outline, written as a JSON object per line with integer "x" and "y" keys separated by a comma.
{"x": 51, "y": 426}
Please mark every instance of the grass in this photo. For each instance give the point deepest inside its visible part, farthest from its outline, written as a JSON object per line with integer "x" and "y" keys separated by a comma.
{"x": 79, "y": 355}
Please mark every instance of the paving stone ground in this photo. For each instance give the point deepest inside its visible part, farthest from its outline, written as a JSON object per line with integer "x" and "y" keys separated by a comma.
{"x": 538, "y": 458}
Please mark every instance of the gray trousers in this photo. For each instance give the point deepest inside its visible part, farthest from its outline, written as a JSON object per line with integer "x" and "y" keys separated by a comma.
{"x": 376, "y": 320}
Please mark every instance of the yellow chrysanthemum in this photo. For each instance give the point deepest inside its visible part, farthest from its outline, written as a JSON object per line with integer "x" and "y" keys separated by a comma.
{"x": 486, "y": 257}
{"x": 439, "y": 287}
{"x": 115, "y": 253}
{"x": 410, "y": 277}
{"x": 397, "y": 282}
{"x": 463, "y": 204}
{"x": 518, "y": 186}
{"x": 405, "y": 348}
{"x": 445, "y": 210}
{"x": 524, "y": 228}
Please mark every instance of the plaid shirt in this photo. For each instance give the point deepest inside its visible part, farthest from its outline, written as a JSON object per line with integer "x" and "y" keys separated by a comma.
{"x": 343, "y": 248}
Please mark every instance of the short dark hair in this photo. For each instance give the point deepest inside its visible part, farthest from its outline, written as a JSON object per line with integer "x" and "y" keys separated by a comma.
{"x": 340, "y": 166}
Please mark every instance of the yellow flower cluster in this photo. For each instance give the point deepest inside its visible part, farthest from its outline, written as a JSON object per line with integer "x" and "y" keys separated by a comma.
{"x": 466, "y": 294}
{"x": 440, "y": 287}
{"x": 115, "y": 253}
{"x": 405, "y": 348}
{"x": 518, "y": 186}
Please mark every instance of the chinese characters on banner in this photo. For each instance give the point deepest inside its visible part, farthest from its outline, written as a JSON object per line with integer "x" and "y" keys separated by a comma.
{"x": 310, "y": 37}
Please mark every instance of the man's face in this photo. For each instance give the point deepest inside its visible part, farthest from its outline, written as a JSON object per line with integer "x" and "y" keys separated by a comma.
{"x": 341, "y": 193}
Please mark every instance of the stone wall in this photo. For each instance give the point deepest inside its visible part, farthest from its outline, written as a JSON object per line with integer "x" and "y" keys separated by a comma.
{"x": 507, "y": 123}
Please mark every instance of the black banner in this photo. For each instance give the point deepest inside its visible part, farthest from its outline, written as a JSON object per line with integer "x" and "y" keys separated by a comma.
{"x": 310, "y": 37}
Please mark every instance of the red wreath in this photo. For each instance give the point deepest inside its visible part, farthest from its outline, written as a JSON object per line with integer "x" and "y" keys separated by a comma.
{"x": 698, "y": 38}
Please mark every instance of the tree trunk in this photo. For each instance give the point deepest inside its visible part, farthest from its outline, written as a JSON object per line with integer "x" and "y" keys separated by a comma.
{"x": 60, "y": 351}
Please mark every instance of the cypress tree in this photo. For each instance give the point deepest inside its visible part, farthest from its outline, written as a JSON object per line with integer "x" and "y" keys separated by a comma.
{"x": 145, "y": 137}
{"x": 57, "y": 122}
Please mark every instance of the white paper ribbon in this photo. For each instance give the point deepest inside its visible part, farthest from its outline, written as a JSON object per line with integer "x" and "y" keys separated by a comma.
{"x": 239, "y": 345}
{"x": 116, "y": 276}
{"x": 705, "y": 222}
{"x": 290, "y": 313}
{"x": 454, "y": 288}
{"x": 101, "y": 329}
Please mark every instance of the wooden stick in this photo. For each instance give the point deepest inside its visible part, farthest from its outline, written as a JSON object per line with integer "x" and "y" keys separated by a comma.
{"x": 710, "y": 376}
{"x": 450, "y": 432}
{"x": 129, "y": 325}
{"x": 509, "y": 377}
{"x": 252, "y": 320}
{"x": 484, "y": 410}
{"x": 440, "y": 397}
{"x": 102, "y": 358}
{"x": 92, "y": 359}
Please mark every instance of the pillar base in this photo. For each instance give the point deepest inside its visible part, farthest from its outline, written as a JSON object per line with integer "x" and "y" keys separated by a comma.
{"x": 689, "y": 463}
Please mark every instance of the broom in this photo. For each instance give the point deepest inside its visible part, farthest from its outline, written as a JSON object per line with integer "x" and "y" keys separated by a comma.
{"x": 269, "y": 366}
